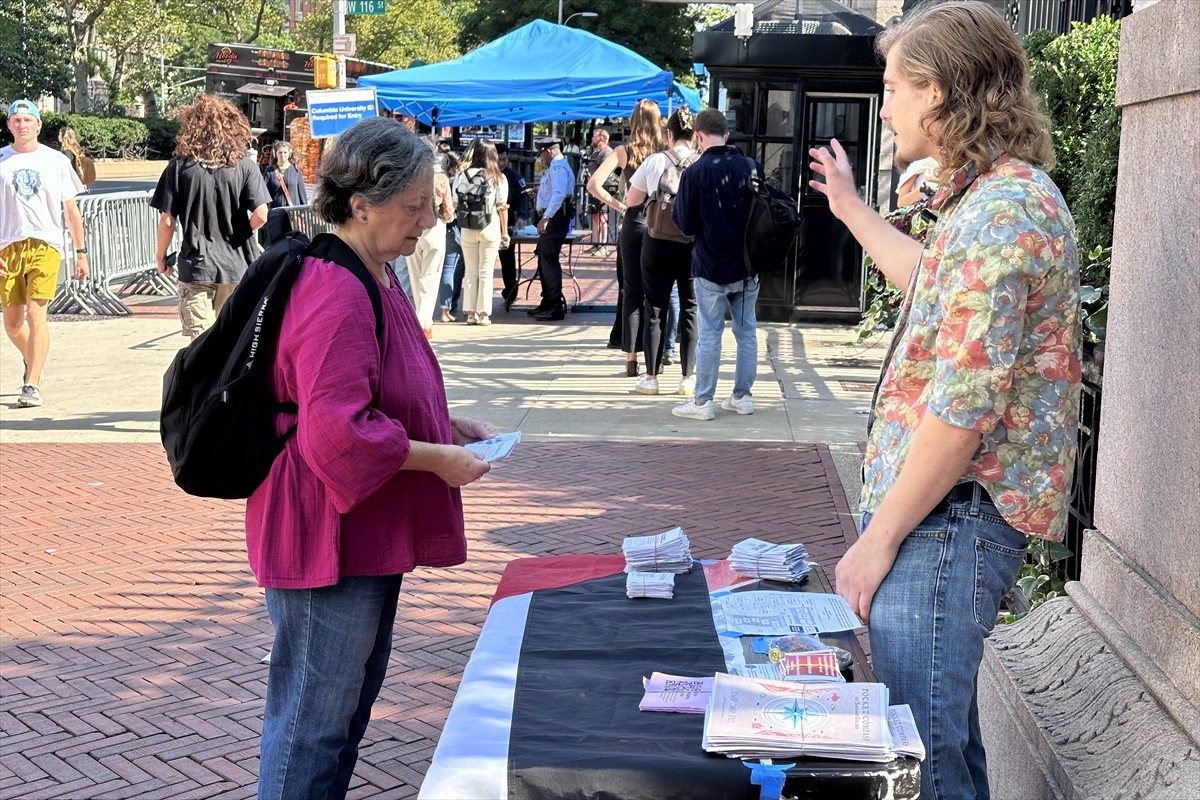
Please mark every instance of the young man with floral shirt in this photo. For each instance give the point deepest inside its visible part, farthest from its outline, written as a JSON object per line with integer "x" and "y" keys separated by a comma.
{"x": 972, "y": 443}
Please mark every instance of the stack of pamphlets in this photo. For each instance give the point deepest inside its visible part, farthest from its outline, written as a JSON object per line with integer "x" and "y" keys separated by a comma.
{"x": 650, "y": 584}
{"x": 666, "y": 552}
{"x": 753, "y": 718}
{"x": 754, "y": 558}
{"x": 675, "y": 693}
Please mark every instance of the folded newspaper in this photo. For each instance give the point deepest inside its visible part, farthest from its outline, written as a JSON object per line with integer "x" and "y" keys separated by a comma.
{"x": 754, "y": 558}
{"x": 676, "y": 693}
{"x": 668, "y": 551}
{"x": 752, "y": 718}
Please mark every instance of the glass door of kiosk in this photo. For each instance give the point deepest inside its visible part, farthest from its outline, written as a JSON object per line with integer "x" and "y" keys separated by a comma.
{"x": 776, "y": 121}
{"x": 829, "y": 271}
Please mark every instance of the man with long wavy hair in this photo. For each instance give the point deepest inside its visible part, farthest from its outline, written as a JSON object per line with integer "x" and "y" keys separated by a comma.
{"x": 972, "y": 442}
{"x": 217, "y": 194}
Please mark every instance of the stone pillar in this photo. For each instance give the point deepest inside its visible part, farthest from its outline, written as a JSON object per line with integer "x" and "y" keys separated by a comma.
{"x": 1094, "y": 695}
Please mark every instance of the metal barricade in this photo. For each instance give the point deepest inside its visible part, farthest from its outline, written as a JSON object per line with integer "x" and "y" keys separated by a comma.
{"x": 120, "y": 231}
{"x": 305, "y": 219}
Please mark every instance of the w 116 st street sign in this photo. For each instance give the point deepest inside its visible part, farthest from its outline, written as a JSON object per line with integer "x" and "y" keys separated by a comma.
{"x": 366, "y": 6}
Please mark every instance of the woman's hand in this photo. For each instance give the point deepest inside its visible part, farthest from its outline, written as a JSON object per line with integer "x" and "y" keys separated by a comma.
{"x": 459, "y": 466}
{"x": 466, "y": 430}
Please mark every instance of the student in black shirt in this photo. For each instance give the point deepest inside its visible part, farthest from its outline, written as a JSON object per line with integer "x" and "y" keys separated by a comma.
{"x": 215, "y": 193}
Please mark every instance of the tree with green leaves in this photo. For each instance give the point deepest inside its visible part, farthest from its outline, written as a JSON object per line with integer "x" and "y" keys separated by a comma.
{"x": 426, "y": 30}
{"x": 34, "y": 50}
{"x": 659, "y": 32}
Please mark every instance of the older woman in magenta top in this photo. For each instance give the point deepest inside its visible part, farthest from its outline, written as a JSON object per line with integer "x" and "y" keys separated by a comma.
{"x": 368, "y": 487}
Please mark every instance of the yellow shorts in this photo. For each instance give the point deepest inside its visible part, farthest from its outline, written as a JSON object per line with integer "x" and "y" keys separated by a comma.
{"x": 31, "y": 272}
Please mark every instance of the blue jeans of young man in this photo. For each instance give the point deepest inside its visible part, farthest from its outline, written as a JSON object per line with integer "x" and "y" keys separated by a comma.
{"x": 928, "y": 622}
{"x": 712, "y": 301}
{"x": 327, "y": 666}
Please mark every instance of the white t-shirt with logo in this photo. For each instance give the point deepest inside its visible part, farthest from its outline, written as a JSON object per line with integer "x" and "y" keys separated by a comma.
{"x": 33, "y": 188}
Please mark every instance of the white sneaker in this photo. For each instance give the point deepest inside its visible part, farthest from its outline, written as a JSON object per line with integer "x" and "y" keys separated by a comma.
{"x": 30, "y": 396}
{"x": 742, "y": 405}
{"x": 484, "y": 319}
{"x": 687, "y": 386}
{"x": 647, "y": 384}
{"x": 472, "y": 319}
{"x": 693, "y": 410}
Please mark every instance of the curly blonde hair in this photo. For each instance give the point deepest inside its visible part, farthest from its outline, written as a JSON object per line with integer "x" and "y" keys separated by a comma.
{"x": 212, "y": 130}
{"x": 645, "y": 133}
{"x": 969, "y": 53}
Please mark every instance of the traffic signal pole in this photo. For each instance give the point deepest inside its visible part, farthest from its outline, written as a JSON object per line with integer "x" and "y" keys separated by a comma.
{"x": 339, "y": 27}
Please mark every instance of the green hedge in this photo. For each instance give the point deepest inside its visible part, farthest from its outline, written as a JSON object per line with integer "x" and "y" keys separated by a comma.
{"x": 1076, "y": 74}
{"x": 108, "y": 137}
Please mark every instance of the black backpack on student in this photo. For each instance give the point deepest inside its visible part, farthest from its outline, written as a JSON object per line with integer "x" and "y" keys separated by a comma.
{"x": 472, "y": 210}
{"x": 772, "y": 224}
{"x": 218, "y": 410}
{"x": 662, "y": 202}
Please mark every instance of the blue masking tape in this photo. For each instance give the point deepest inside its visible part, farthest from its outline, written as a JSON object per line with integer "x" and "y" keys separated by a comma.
{"x": 770, "y": 777}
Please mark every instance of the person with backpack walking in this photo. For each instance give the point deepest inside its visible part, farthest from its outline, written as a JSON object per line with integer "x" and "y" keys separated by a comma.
{"x": 714, "y": 194}
{"x": 367, "y": 488}
{"x": 482, "y": 211}
{"x": 215, "y": 192}
{"x": 972, "y": 440}
{"x": 666, "y": 255}
{"x": 645, "y": 139}
{"x": 38, "y": 188}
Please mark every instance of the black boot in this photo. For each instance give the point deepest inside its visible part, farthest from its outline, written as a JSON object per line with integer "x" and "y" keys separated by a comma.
{"x": 552, "y": 313}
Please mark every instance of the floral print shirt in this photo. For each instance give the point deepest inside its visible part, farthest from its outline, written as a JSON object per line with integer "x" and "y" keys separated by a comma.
{"x": 989, "y": 340}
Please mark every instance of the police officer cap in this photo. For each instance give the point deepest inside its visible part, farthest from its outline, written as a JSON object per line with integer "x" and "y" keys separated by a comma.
{"x": 546, "y": 144}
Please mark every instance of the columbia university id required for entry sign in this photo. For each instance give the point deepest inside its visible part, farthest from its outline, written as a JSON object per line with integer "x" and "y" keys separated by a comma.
{"x": 333, "y": 111}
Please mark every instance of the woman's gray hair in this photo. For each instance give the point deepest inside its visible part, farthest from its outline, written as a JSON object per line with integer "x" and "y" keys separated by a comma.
{"x": 376, "y": 159}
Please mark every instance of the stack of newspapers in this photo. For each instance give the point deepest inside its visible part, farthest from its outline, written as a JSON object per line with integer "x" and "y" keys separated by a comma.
{"x": 668, "y": 551}
{"x": 754, "y": 718}
{"x": 650, "y": 584}
{"x": 754, "y": 558}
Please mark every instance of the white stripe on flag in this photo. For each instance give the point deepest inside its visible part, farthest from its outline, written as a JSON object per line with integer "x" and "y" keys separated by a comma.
{"x": 471, "y": 760}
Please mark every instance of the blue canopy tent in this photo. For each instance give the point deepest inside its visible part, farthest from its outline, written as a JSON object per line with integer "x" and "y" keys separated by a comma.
{"x": 540, "y": 72}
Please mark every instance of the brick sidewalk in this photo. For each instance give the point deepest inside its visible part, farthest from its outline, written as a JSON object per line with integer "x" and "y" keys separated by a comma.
{"x": 132, "y": 628}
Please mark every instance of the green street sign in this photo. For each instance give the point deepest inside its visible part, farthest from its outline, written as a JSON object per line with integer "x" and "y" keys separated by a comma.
{"x": 366, "y": 6}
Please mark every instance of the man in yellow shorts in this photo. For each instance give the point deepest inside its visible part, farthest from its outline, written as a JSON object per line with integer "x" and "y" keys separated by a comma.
{"x": 38, "y": 186}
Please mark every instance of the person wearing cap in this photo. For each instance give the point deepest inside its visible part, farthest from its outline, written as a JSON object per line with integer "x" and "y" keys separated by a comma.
{"x": 555, "y": 205}
{"x": 38, "y": 187}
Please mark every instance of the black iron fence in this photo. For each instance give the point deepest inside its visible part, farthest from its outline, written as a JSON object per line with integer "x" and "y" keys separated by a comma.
{"x": 1057, "y": 15}
{"x": 1083, "y": 488}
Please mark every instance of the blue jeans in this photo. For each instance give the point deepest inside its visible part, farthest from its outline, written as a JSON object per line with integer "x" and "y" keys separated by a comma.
{"x": 327, "y": 666}
{"x": 673, "y": 320}
{"x": 453, "y": 271}
{"x": 928, "y": 622}
{"x": 712, "y": 301}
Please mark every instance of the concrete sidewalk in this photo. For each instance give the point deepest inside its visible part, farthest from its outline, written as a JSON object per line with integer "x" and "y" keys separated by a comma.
{"x": 133, "y": 630}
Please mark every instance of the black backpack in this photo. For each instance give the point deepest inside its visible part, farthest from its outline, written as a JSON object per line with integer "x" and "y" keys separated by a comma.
{"x": 472, "y": 210}
{"x": 219, "y": 406}
{"x": 772, "y": 224}
{"x": 659, "y": 224}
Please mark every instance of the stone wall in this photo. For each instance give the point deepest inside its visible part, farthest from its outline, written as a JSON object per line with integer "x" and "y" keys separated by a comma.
{"x": 1094, "y": 695}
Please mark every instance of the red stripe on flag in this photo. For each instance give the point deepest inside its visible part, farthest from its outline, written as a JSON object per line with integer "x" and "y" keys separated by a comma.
{"x": 554, "y": 572}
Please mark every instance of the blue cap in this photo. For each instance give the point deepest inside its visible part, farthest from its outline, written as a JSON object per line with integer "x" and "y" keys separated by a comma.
{"x": 24, "y": 107}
